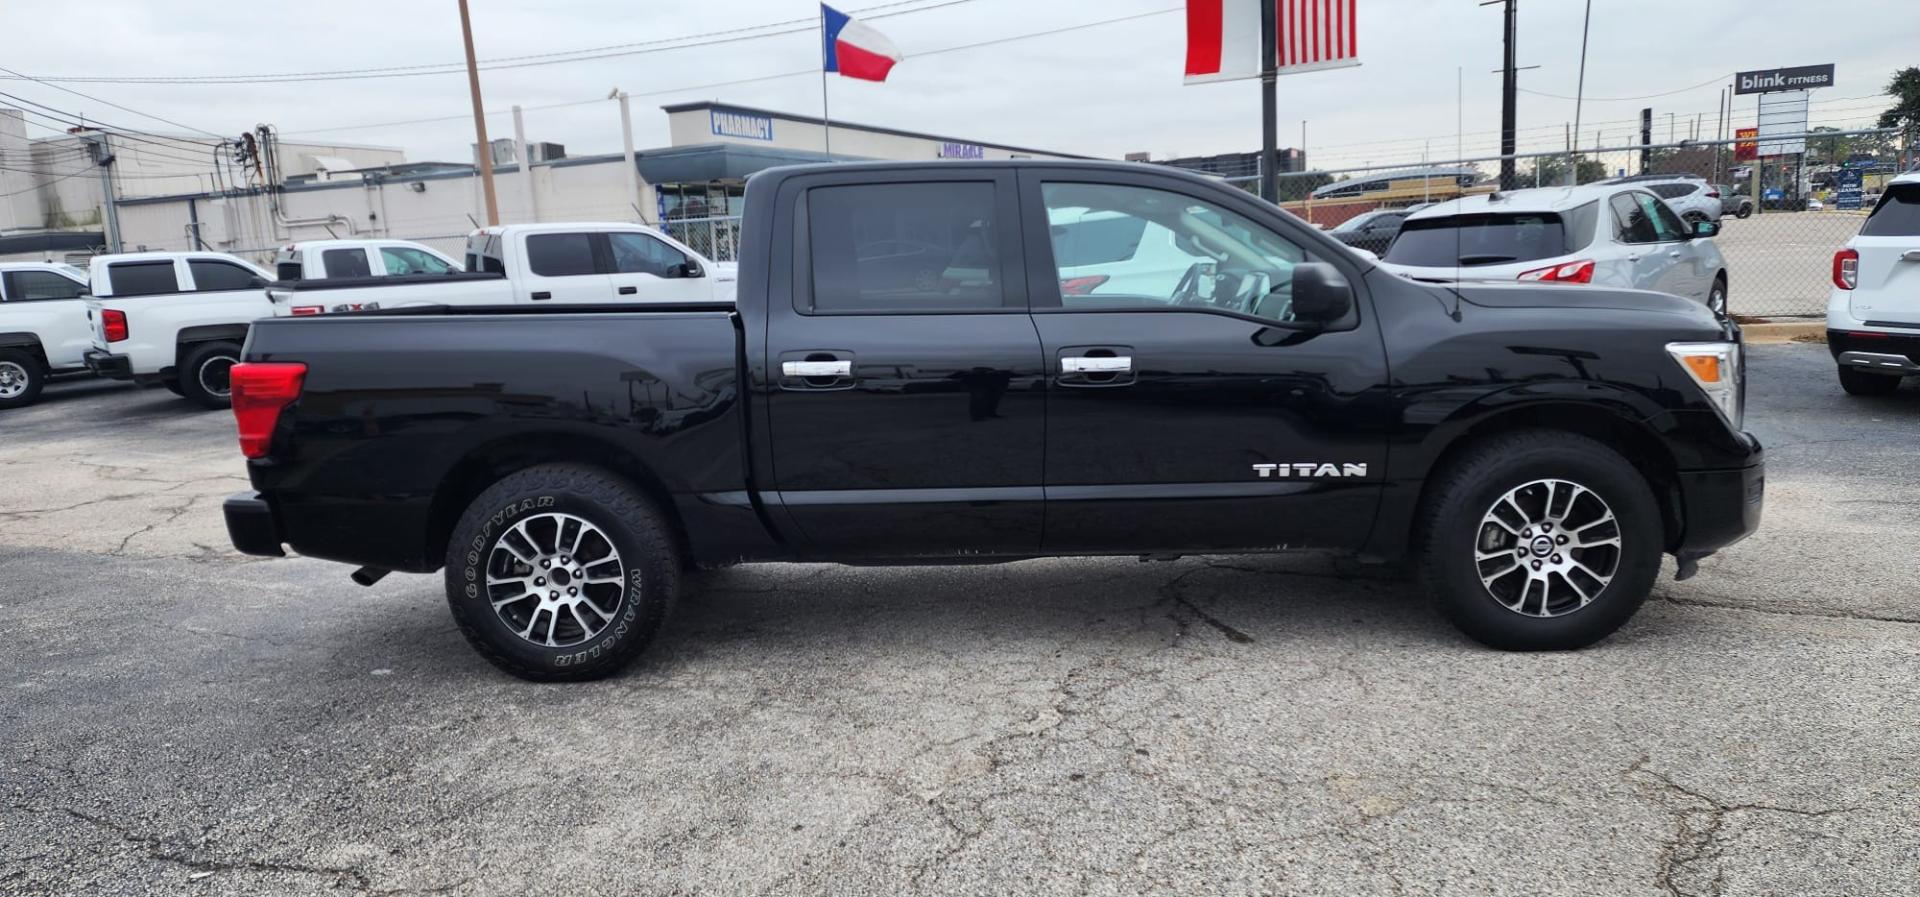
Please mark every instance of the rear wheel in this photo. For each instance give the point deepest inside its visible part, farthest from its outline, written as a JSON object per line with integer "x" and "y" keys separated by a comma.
{"x": 1540, "y": 541}
{"x": 22, "y": 376}
{"x": 1744, "y": 210}
{"x": 1717, "y": 296}
{"x": 561, "y": 572}
{"x": 204, "y": 377}
{"x": 1863, "y": 383}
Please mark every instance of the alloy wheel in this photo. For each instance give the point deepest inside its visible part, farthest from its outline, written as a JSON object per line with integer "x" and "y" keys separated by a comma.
{"x": 1547, "y": 548}
{"x": 13, "y": 380}
{"x": 555, "y": 579}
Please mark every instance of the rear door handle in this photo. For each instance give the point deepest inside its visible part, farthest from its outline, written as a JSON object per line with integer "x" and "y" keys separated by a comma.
{"x": 1097, "y": 364}
{"x": 542, "y": 295}
{"x": 817, "y": 368}
{"x": 628, "y": 291}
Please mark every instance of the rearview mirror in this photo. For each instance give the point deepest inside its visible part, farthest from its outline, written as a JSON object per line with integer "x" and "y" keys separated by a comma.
{"x": 1706, "y": 228}
{"x": 1321, "y": 294}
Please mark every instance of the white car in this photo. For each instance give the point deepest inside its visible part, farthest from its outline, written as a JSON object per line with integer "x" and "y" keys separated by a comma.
{"x": 1108, "y": 252}
{"x": 1873, "y": 314}
{"x": 1693, "y": 198}
{"x": 175, "y": 318}
{"x": 1617, "y": 235}
{"x": 43, "y": 327}
{"x": 519, "y": 263}
{"x": 335, "y": 259}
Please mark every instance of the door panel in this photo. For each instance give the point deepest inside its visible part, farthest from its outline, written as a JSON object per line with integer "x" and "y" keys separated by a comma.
{"x": 646, "y": 269}
{"x": 912, "y": 421}
{"x": 1228, "y": 426}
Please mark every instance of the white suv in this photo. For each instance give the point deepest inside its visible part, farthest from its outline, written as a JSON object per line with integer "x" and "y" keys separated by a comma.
{"x": 1873, "y": 316}
{"x": 1693, "y": 198}
{"x": 1615, "y": 235}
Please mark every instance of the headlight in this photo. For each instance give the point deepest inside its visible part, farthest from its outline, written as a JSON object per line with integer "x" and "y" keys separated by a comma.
{"x": 1718, "y": 370}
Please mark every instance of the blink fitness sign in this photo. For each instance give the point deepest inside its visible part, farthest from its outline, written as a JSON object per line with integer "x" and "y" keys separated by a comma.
{"x": 1803, "y": 77}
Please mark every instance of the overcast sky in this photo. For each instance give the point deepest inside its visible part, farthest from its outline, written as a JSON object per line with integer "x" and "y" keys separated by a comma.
{"x": 1102, "y": 90}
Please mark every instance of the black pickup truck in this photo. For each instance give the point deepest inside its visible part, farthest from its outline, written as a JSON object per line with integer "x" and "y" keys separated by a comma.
{"x": 934, "y": 363}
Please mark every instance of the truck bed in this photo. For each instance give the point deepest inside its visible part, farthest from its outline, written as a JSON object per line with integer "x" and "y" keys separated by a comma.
{"x": 403, "y": 405}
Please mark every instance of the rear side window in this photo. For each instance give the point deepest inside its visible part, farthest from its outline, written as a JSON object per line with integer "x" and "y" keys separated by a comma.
{"x": 31, "y": 286}
{"x": 346, "y": 263}
{"x": 210, "y": 276}
{"x": 287, "y": 270}
{"x": 142, "y": 278}
{"x": 560, "y": 255}
{"x": 1486, "y": 239}
{"x": 904, "y": 247}
{"x": 1897, "y": 215}
{"x": 1672, "y": 191}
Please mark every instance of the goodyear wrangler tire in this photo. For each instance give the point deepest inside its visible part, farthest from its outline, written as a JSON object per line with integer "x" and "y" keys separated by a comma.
{"x": 561, "y": 573}
{"x": 1540, "y": 541}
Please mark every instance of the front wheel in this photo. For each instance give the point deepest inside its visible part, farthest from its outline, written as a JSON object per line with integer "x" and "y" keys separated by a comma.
{"x": 21, "y": 378}
{"x": 204, "y": 377}
{"x": 561, "y": 573}
{"x": 1863, "y": 383}
{"x": 1540, "y": 541}
{"x": 1743, "y": 212}
{"x": 1717, "y": 297}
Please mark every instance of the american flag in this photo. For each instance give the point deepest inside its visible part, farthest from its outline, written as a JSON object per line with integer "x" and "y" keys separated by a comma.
{"x": 1223, "y": 37}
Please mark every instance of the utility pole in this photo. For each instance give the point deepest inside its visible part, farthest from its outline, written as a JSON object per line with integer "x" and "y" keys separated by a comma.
{"x": 1269, "y": 104}
{"x": 1509, "y": 88}
{"x": 479, "y": 119}
{"x": 526, "y": 165}
{"x": 626, "y": 145}
{"x": 1646, "y": 138}
{"x": 103, "y": 160}
{"x": 1579, "y": 94}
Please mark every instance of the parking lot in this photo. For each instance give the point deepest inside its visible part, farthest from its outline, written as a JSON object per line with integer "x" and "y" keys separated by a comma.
{"x": 180, "y": 719}
{"x": 1781, "y": 263}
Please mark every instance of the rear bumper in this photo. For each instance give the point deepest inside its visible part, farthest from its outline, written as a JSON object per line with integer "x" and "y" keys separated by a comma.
{"x": 1886, "y": 351}
{"x": 109, "y": 365}
{"x": 1720, "y": 507}
{"x": 252, "y": 526}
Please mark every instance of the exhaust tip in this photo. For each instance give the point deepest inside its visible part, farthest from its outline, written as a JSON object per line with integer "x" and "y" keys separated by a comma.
{"x": 367, "y": 576}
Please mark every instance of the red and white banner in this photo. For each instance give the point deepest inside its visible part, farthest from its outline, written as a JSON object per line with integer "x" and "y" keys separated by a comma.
{"x": 1223, "y": 37}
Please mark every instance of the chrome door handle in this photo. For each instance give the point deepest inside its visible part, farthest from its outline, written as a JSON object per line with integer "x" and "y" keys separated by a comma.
{"x": 1911, "y": 255}
{"x": 817, "y": 368}
{"x": 1096, "y": 364}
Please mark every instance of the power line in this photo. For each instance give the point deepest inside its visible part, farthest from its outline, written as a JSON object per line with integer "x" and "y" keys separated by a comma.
{"x": 109, "y": 103}
{"x": 752, "y": 32}
{"x": 64, "y": 120}
{"x": 38, "y": 186}
{"x": 1713, "y": 80}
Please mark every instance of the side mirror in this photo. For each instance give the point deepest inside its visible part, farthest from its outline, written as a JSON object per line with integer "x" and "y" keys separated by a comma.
{"x": 1321, "y": 294}
{"x": 1706, "y": 228}
{"x": 691, "y": 269}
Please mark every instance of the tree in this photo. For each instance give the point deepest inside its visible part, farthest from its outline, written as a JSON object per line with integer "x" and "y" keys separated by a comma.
{"x": 1552, "y": 171}
{"x": 1905, "y": 88}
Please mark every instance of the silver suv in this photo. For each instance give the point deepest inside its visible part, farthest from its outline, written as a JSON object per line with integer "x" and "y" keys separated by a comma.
{"x": 1692, "y": 198}
{"x": 1740, "y": 205}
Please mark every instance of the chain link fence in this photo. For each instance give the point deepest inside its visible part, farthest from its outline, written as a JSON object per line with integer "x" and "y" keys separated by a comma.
{"x": 1784, "y": 205}
{"x": 717, "y": 238}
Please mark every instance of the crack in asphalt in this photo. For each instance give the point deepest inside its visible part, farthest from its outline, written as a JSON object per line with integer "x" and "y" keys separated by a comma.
{"x": 1784, "y": 612}
{"x": 1697, "y": 841}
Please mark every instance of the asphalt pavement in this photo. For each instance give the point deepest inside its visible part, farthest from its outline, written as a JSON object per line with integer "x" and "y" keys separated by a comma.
{"x": 179, "y": 719}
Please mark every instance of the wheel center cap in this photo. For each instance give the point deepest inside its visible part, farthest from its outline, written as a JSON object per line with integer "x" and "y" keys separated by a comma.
{"x": 562, "y": 577}
{"x": 1542, "y": 546}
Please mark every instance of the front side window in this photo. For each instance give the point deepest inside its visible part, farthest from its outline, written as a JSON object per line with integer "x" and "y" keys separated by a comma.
{"x": 904, "y": 247}
{"x": 641, "y": 254}
{"x": 1190, "y": 253}
{"x": 1486, "y": 238}
{"x": 210, "y": 276}
{"x": 346, "y": 263}
{"x": 142, "y": 278}
{"x": 1667, "y": 226}
{"x": 31, "y": 286}
{"x": 403, "y": 260}
{"x": 1631, "y": 223}
{"x": 560, "y": 255}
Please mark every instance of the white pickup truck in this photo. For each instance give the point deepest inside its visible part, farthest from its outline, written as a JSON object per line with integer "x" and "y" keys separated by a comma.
{"x": 335, "y": 259}
{"x": 560, "y": 263}
{"x": 177, "y": 318}
{"x": 43, "y": 327}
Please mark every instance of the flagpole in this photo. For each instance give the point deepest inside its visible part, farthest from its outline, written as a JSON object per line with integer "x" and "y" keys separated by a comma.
{"x": 826, "y": 114}
{"x": 1269, "y": 106}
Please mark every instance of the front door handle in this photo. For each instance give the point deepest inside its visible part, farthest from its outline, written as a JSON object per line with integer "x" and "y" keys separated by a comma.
{"x": 1097, "y": 364}
{"x": 817, "y": 368}
{"x": 1911, "y": 255}
{"x": 628, "y": 291}
{"x": 542, "y": 295}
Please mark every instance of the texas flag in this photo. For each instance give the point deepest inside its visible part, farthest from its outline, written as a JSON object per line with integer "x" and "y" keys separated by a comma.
{"x": 855, "y": 50}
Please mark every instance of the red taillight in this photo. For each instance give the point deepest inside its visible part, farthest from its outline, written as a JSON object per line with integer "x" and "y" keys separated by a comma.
{"x": 1713, "y": 194}
{"x": 113, "y": 323}
{"x": 1571, "y": 272}
{"x": 1868, "y": 334}
{"x": 1846, "y": 269}
{"x": 1081, "y": 286}
{"x": 261, "y": 390}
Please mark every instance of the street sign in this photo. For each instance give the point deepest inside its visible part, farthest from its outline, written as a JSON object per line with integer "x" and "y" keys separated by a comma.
{"x": 1783, "y": 113}
{"x": 1802, "y": 77}
{"x": 1846, "y": 188}
{"x": 1746, "y": 148}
